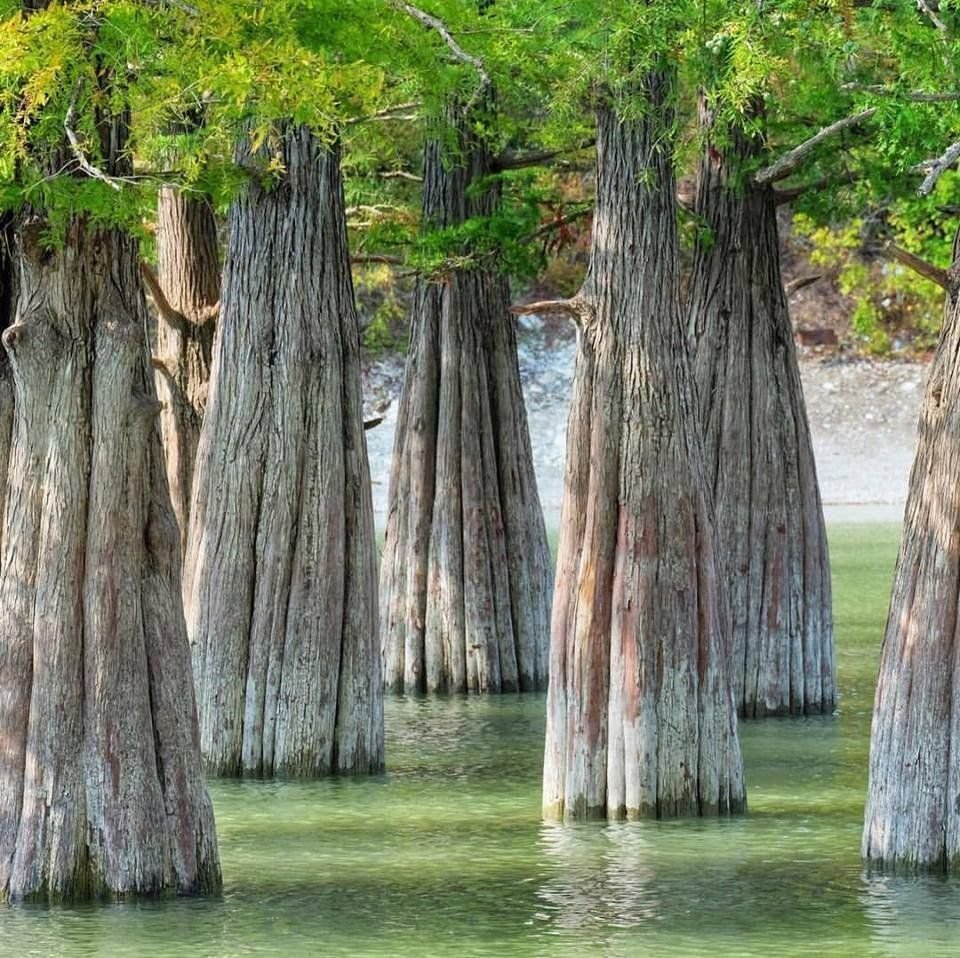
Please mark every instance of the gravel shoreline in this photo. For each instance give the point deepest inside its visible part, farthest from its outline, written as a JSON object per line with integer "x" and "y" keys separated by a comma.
{"x": 863, "y": 417}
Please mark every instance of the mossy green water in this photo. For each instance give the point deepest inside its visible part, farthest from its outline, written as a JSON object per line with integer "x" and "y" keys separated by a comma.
{"x": 446, "y": 854}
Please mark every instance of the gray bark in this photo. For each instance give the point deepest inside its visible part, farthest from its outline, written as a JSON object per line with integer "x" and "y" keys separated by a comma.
{"x": 640, "y": 716}
{"x": 101, "y": 786}
{"x": 912, "y": 816}
{"x": 8, "y": 302}
{"x": 188, "y": 270}
{"x": 465, "y": 584}
{"x": 280, "y": 577}
{"x": 759, "y": 455}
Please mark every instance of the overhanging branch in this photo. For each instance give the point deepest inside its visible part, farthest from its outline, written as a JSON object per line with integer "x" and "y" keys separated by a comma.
{"x": 936, "y": 167}
{"x": 435, "y": 23}
{"x": 790, "y": 160}
{"x": 917, "y": 264}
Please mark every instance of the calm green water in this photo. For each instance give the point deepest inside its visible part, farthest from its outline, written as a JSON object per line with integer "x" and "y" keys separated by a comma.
{"x": 446, "y": 855}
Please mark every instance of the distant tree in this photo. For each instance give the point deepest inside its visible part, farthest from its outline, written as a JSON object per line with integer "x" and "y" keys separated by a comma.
{"x": 466, "y": 573}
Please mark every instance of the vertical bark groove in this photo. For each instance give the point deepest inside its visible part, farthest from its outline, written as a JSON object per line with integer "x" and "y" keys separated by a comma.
{"x": 912, "y": 816}
{"x": 759, "y": 455}
{"x": 465, "y": 583}
{"x": 280, "y": 577}
{"x": 640, "y": 716}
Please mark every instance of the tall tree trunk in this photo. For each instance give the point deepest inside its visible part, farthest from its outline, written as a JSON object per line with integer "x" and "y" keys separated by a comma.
{"x": 101, "y": 782}
{"x": 8, "y": 302}
{"x": 913, "y": 797}
{"x": 280, "y": 580}
{"x": 758, "y": 451}
{"x": 101, "y": 786}
{"x": 188, "y": 271}
{"x": 465, "y": 583}
{"x": 640, "y": 715}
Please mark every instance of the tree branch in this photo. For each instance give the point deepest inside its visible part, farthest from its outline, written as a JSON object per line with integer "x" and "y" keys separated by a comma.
{"x": 789, "y": 193}
{"x": 92, "y": 171}
{"x": 361, "y": 259}
{"x": 790, "y": 160}
{"x": 914, "y": 96}
{"x": 925, "y": 7}
{"x": 571, "y": 307}
{"x": 172, "y": 316}
{"x": 918, "y": 265}
{"x": 519, "y": 161}
{"x": 556, "y": 224}
{"x": 434, "y": 23}
{"x": 399, "y": 175}
{"x": 936, "y": 167}
{"x": 801, "y": 282}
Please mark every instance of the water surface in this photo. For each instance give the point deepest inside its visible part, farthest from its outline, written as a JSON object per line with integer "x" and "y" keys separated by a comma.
{"x": 446, "y": 854}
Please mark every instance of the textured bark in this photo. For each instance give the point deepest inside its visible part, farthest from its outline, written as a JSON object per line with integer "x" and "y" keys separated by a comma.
{"x": 465, "y": 582}
{"x": 8, "y": 302}
{"x": 101, "y": 786}
{"x": 640, "y": 715}
{"x": 759, "y": 456}
{"x": 188, "y": 270}
{"x": 280, "y": 579}
{"x": 913, "y": 797}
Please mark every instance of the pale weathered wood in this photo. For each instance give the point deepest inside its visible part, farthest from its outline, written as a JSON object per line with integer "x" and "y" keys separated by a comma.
{"x": 465, "y": 583}
{"x": 912, "y": 817}
{"x": 640, "y": 715}
{"x": 280, "y": 576}
{"x": 188, "y": 273}
{"x": 101, "y": 786}
{"x": 759, "y": 456}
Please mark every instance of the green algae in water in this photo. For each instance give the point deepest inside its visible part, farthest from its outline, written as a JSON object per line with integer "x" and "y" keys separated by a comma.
{"x": 446, "y": 854}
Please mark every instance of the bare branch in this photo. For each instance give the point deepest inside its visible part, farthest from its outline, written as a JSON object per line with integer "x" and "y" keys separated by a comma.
{"x": 801, "y": 282}
{"x": 914, "y": 96}
{"x": 925, "y": 7}
{"x": 793, "y": 158}
{"x": 370, "y": 423}
{"x": 558, "y": 223}
{"x": 936, "y": 167}
{"x": 520, "y": 161}
{"x": 789, "y": 193}
{"x": 918, "y": 265}
{"x": 92, "y": 171}
{"x": 400, "y": 111}
{"x": 434, "y": 23}
{"x": 361, "y": 259}
{"x": 567, "y": 306}
{"x": 400, "y": 175}
{"x": 172, "y": 316}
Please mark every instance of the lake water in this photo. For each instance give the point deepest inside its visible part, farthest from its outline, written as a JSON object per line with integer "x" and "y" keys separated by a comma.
{"x": 446, "y": 854}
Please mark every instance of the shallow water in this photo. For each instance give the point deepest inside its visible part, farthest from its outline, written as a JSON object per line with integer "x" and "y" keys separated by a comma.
{"x": 446, "y": 854}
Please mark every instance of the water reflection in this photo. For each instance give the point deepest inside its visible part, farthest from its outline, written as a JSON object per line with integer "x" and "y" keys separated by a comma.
{"x": 598, "y": 876}
{"x": 905, "y": 910}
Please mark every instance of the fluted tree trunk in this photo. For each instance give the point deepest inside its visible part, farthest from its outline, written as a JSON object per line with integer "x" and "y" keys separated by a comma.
{"x": 101, "y": 785}
{"x": 640, "y": 715}
{"x": 759, "y": 456}
{"x": 280, "y": 578}
{"x": 912, "y": 816}
{"x": 465, "y": 583}
{"x": 186, "y": 294}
